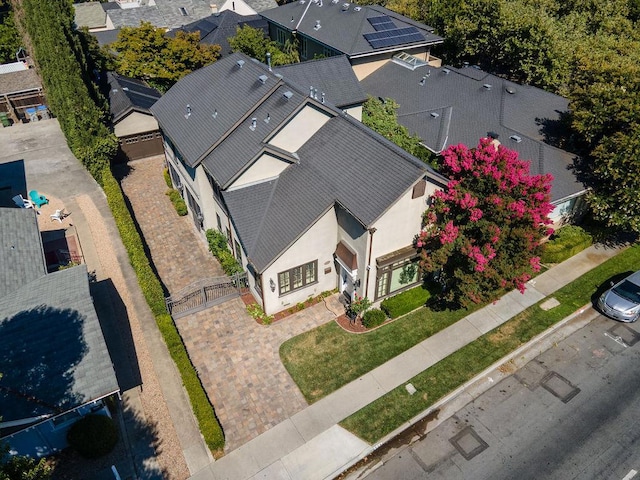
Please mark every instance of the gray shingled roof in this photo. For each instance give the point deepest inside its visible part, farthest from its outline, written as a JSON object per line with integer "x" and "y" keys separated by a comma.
{"x": 52, "y": 349}
{"x": 90, "y": 15}
{"x": 343, "y": 162}
{"x": 216, "y": 29}
{"x": 19, "y": 81}
{"x": 106, "y": 37}
{"x": 261, "y": 5}
{"x": 467, "y": 111}
{"x": 333, "y": 76}
{"x": 127, "y": 94}
{"x": 165, "y": 13}
{"x": 22, "y": 255}
{"x": 237, "y": 90}
{"x": 343, "y": 30}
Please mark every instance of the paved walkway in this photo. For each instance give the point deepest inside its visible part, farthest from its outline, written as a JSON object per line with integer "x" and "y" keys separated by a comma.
{"x": 237, "y": 360}
{"x": 178, "y": 255}
{"x": 310, "y": 445}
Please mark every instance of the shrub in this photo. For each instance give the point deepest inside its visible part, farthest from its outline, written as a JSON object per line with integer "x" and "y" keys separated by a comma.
{"x": 258, "y": 314}
{"x": 565, "y": 243}
{"x": 374, "y": 317}
{"x": 167, "y": 178}
{"x": 93, "y": 436}
{"x": 220, "y": 249}
{"x": 178, "y": 201}
{"x": 405, "y": 302}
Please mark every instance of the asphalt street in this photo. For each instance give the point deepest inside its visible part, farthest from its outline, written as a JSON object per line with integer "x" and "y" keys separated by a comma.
{"x": 571, "y": 413}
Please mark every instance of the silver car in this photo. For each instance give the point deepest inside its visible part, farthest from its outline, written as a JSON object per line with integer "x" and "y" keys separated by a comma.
{"x": 622, "y": 301}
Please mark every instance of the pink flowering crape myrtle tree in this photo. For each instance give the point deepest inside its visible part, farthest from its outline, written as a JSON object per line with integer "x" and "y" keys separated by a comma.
{"x": 481, "y": 234}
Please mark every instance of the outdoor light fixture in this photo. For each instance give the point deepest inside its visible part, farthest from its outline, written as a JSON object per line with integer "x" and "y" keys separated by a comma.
{"x": 272, "y": 284}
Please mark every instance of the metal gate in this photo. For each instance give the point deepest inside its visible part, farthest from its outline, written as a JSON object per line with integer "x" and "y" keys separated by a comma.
{"x": 206, "y": 293}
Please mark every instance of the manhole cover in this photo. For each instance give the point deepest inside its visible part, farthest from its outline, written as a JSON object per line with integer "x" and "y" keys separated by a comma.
{"x": 468, "y": 443}
{"x": 627, "y": 334}
{"x": 559, "y": 386}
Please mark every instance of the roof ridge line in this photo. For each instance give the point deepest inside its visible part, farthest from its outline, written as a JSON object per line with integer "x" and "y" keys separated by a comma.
{"x": 302, "y": 16}
{"x": 266, "y": 208}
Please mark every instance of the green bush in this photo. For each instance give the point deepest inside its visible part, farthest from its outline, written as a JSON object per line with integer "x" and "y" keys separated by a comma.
{"x": 257, "y": 313}
{"x": 565, "y": 243}
{"x": 178, "y": 201}
{"x": 405, "y": 302}
{"x": 154, "y": 295}
{"x": 167, "y": 178}
{"x": 219, "y": 247}
{"x": 93, "y": 436}
{"x": 374, "y": 317}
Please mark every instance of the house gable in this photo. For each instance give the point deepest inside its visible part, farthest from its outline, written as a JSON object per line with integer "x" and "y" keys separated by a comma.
{"x": 266, "y": 167}
{"x": 299, "y": 129}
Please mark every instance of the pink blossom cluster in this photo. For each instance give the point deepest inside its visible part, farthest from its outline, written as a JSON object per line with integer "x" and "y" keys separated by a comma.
{"x": 481, "y": 257}
{"x": 449, "y": 233}
{"x": 535, "y": 263}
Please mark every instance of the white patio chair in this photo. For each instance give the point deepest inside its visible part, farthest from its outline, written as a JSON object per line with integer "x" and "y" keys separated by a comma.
{"x": 59, "y": 215}
{"x": 22, "y": 202}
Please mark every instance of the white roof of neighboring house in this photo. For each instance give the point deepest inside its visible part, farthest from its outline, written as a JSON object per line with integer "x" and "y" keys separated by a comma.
{"x": 13, "y": 67}
{"x": 90, "y": 15}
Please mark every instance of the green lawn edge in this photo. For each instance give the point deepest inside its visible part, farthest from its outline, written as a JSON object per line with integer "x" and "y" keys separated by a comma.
{"x": 154, "y": 295}
{"x": 390, "y": 411}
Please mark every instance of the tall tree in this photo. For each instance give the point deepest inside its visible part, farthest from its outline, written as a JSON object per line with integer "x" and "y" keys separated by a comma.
{"x": 482, "y": 233}
{"x": 9, "y": 37}
{"x": 254, "y": 43}
{"x": 147, "y": 53}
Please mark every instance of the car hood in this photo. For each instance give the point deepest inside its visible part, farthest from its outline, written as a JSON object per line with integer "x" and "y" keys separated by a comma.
{"x": 617, "y": 302}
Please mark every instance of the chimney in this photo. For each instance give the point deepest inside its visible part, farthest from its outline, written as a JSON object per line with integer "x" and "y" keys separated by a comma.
{"x": 269, "y": 60}
{"x": 214, "y": 8}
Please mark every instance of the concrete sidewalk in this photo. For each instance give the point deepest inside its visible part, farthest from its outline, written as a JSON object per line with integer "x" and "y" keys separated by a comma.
{"x": 310, "y": 445}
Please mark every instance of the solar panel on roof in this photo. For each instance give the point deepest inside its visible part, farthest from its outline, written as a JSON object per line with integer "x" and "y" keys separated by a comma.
{"x": 382, "y": 23}
{"x": 397, "y": 36}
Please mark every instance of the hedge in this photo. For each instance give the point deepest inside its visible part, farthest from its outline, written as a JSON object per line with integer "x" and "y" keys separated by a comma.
{"x": 565, "y": 243}
{"x": 374, "y": 317}
{"x": 405, "y": 302}
{"x": 154, "y": 295}
{"x": 178, "y": 202}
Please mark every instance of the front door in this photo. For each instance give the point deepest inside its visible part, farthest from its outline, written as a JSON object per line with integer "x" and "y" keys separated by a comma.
{"x": 346, "y": 283}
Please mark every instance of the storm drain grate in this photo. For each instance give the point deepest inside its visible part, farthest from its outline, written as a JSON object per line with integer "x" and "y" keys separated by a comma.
{"x": 468, "y": 443}
{"x": 559, "y": 386}
{"x": 625, "y": 333}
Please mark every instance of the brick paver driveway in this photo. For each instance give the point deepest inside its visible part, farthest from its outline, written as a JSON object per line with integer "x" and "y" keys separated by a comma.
{"x": 237, "y": 359}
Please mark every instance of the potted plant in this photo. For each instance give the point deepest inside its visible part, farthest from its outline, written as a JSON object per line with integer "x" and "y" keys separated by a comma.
{"x": 357, "y": 307}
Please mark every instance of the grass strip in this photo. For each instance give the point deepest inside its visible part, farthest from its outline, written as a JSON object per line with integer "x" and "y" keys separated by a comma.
{"x": 390, "y": 411}
{"x": 324, "y": 359}
{"x": 154, "y": 295}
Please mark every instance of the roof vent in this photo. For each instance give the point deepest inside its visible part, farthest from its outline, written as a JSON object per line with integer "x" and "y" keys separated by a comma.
{"x": 240, "y": 63}
{"x": 357, "y": 9}
{"x": 345, "y": 7}
{"x": 215, "y": 113}
{"x": 333, "y": 2}
{"x": 487, "y": 86}
{"x": 263, "y": 79}
{"x": 302, "y": 2}
{"x": 516, "y": 138}
{"x": 510, "y": 90}
{"x": 254, "y": 124}
{"x": 434, "y": 114}
{"x": 322, "y": 100}
{"x": 126, "y": 89}
{"x": 183, "y": 11}
{"x": 317, "y": 26}
{"x": 446, "y": 71}
{"x": 287, "y": 95}
{"x": 268, "y": 118}
{"x": 188, "y": 114}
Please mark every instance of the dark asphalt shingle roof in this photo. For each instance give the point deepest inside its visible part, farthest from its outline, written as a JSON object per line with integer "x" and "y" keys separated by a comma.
{"x": 52, "y": 349}
{"x": 165, "y": 13}
{"x": 333, "y": 76}
{"x": 467, "y": 111}
{"x": 216, "y": 29}
{"x": 343, "y": 162}
{"x": 343, "y": 30}
{"x": 261, "y": 5}
{"x": 106, "y": 37}
{"x": 237, "y": 90}
{"x": 22, "y": 255}
{"x": 127, "y": 94}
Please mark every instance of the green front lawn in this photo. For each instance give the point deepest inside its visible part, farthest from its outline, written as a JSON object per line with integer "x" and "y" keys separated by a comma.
{"x": 326, "y": 358}
{"x": 393, "y": 409}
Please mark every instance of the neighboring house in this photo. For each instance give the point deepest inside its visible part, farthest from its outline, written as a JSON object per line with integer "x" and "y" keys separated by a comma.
{"x": 217, "y": 28}
{"x": 92, "y": 16}
{"x": 332, "y": 77}
{"x": 447, "y": 106}
{"x": 137, "y": 130}
{"x": 20, "y": 89}
{"x": 246, "y": 7}
{"x": 308, "y": 197}
{"x": 368, "y": 35}
{"x": 54, "y": 363}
